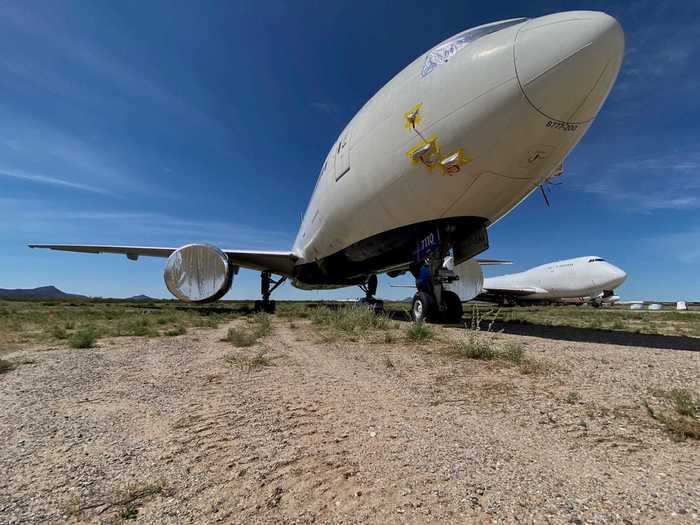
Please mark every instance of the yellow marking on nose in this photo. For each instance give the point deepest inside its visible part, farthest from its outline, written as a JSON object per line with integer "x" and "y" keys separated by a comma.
{"x": 453, "y": 163}
{"x": 413, "y": 117}
{"x": 425, "y": 152}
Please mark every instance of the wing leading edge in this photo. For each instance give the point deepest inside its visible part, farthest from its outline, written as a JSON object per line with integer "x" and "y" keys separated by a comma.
{"x": 514, "y": 291}
{"x": 281, "y": 263}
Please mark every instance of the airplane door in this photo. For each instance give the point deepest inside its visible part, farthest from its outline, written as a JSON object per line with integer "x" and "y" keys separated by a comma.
{"x": 342, "y": 155}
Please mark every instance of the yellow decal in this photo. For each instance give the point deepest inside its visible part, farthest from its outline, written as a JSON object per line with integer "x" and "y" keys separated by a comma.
{"x": 453, "y": 163}
{"x": 426, "y": 152}
{"x": 413, "y": 117}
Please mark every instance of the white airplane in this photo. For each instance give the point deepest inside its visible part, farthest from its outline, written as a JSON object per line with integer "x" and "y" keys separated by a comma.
{"x": 444, "y": 150}
{"x": 581, "y": 280}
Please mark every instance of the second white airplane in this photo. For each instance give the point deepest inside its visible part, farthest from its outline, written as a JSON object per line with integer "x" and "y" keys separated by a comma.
{"x": 582, "y": 280}
{"x": 444, "y": 150}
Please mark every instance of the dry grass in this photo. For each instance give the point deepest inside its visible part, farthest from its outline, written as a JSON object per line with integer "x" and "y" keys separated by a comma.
{"x": 477, "y": 345}
{"x": 124, "y": 502}
{"x": 240, "y": 338}
{"x": 419, "y": 333}
{"x": 248, "y": 363}
{"x": 84, "y": 338}
{"x": 175, "y": 331}
{"x": 56, "y": 321}
{"x": 681, "y": 421}
{"x": 349, "y": 322}
{"x": 259, "y": 326}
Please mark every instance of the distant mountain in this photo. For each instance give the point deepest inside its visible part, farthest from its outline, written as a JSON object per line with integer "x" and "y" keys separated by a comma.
{"x": 140, "y": 298}
{"x": 43, "y": 292}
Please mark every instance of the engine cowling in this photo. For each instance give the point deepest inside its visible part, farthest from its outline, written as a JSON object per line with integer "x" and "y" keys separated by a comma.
{"x": 198, "y": 273}
{"x": 471, "y": 279}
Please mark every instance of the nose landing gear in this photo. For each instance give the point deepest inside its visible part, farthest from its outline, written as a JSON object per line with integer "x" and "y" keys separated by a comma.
{"x": 432, "y": 302}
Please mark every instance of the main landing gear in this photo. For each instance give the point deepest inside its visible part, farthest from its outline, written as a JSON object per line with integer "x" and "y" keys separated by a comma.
{"x": 432, "y": 302}
{"x": 267, "y": 286}
{"x": 369, "y": 301}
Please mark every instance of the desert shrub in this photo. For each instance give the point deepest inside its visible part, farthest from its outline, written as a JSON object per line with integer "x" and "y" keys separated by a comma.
{"x": 177, "y": 330}
{"x": 349, "y": 320}
{"x": 258, "y": 326}
{"x": 572, "y": 398}
{"x": 475, "y": 347}
{"x": 419, "y": 332}
{"x": 618, "y": 324}
{"x": 513, "y": 353}
{"x": 58, "y": 332}
{"x": 293, "y": 310}
{"x": 262, "y": 324}
{"x": 84, "y": 338}
{"x": 683, "y": 423}
{"x": 248, "y": 363}
{"x": 238, "y": 337}
{"x": 684, "y": 403}
{"x": 135, "y": 326}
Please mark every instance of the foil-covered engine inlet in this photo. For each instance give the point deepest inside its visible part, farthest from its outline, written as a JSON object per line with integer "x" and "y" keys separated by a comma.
{"x": 198, "y": 273}
{"x": 471, "y": 279}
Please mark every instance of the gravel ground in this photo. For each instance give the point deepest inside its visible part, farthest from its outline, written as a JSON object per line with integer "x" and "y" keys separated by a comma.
{"x": 172, "y": 430}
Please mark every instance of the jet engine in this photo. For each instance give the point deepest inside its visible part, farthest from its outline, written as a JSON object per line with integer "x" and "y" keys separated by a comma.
{"x": 199, "y": 273}
{"x": 471, "y": 278}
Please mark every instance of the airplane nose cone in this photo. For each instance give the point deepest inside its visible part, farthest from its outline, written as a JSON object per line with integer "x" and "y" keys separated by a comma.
{"x": 566, "y": 63}
{"x": 619, "y": 277}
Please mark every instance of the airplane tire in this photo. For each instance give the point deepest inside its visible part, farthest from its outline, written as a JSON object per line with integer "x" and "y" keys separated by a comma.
{"x": 453, "y": 307}
{"x": 423, "y": 308}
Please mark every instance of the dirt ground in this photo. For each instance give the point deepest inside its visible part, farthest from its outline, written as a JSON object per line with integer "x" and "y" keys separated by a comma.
{"x": 175, "y": 430}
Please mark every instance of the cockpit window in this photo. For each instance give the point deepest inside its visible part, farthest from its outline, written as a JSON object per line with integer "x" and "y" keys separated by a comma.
{"x": 448, "y": 49}
{"x": 596, "y": 259}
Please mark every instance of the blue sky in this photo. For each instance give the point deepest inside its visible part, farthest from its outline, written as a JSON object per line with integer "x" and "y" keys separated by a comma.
{"x": 163, "y": 123}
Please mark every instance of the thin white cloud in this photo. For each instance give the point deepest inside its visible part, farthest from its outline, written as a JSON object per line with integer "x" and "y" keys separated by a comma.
{"x": 32, "y": 221}
{"x": 45, "y": 179}
{"x": 56, "y": 152}
{"x": 683, "y": 246}
{"x": 120, "y": 76}
{"x": 667, "y": 181}
{"x": 638, "y": 201}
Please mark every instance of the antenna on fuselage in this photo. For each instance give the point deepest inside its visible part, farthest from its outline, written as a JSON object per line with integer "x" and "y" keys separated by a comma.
{"x": 544, "y": 187}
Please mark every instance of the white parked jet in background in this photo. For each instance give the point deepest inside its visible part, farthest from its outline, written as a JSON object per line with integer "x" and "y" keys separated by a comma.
{"x": 444, "y": 150}
{"x": 583, "y": 280}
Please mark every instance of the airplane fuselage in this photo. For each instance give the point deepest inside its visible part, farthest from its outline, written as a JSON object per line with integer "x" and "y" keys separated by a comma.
{"x": 496, "y": 113}
{"x": 572, "y": 278}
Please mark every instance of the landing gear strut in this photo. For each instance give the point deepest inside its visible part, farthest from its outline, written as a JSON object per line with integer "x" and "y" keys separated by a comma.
{"x": 369, "y": 301}
{"x": 266, "y": 305}
{"x": 432, "y": 302}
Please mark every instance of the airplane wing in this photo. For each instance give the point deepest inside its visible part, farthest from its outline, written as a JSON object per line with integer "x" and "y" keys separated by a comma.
{"x": 281, "y": 263}
{"x": 492, "y": 262}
